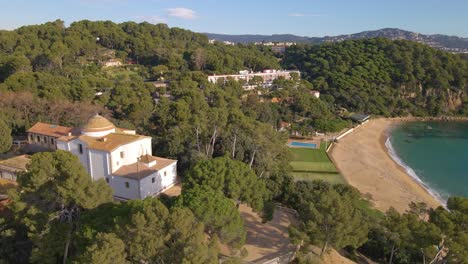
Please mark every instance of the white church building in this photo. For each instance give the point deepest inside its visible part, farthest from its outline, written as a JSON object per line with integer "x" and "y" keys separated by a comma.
{"x": 120, "y": 156}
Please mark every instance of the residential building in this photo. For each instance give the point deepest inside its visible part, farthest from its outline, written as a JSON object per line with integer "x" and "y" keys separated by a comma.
{"x": 120, "y": 157}
{"x": 9, "y": 168}
{"x": 315, "y": 93}
{"x": 284, "y": 126}
{"x": 45, "y": 135}
{"x": 279, "y": 48}
{"x": 112, "y": 63}
{"x": 268, "y": 76}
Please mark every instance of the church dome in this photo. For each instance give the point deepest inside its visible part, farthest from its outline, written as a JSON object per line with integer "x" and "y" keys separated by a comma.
{"x": 98, "y": 126}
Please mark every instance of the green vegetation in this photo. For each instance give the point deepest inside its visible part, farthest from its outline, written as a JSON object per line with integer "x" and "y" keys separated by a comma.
{"x": 217, "y": 212}
{"x": 313, "y": 164}
{"x": 51, "y": 197}
{"x": 227, "y": 142}
{"x": 309, "y": 154}
{"x": 407, "y": 238}
{"x": 5, "y": 137}
{"x": 328, "y": 216}
{"x": 332, "y": 178}
{"x": 233, "y": 178}
{"x": 384, "y": 77}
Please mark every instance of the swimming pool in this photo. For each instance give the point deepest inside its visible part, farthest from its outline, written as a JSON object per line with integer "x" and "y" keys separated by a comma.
{"x": 302, "y": 144}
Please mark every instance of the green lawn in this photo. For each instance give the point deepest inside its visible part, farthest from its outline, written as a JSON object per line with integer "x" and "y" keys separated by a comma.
{"x": 332, "y": 178}
{"x": 309, "y": 155}
{"x": 314, "y": 164}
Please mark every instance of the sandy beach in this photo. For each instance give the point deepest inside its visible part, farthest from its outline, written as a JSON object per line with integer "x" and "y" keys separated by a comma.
{"x": 362, "y": 158}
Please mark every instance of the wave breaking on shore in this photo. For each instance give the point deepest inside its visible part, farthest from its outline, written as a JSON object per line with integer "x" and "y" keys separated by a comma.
{"x": 392, "y": 153}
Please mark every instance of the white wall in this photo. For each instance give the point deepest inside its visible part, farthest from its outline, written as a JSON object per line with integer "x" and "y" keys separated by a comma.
{"x": 148, "y": 188}
{"x": 63, "y": 145}
{"x": 170, "y": 177}
{"x": 98, "y": 164}
{"x": 161, "y": 181}
{"x": 131, "y": 152}
{"x": 74, "y": 149}
{"x": 117, "y": 183}
{"x": 98, "y": 133}
{"x": 7, "y": 175}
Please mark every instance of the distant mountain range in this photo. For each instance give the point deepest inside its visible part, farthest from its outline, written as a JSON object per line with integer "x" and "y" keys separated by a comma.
{"x": 443, "y": 42}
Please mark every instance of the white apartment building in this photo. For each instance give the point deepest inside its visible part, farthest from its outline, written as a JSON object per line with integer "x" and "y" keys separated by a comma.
{"x": 268, "y": 76}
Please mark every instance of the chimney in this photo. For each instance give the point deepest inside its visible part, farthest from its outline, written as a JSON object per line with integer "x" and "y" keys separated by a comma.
{"x": 69, "y": 134}
{"x": 104, "y": 139}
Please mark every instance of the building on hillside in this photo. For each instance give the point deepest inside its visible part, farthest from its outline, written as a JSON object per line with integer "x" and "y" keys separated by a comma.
{"x": 120, "y": 157}
{"x": 45, "y": 135}
{"x": 275, "y": 100}
{"x": 279, "y": 48}
{"x": 267, "y": 76}
{"x": 360, "y": 118}
{"x": 315, "y": 93}
{"x": 284, "y": 126}
{"x": 160, "y": 84}
{"x": 112, "y": 63}
{"x": 9, "y": 168}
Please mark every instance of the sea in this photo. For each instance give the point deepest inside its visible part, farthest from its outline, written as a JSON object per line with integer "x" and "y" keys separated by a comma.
{"x": 435, "y": 154}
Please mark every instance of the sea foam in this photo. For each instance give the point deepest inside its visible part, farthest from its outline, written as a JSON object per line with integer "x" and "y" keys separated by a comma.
{"x": 412, "y": 173}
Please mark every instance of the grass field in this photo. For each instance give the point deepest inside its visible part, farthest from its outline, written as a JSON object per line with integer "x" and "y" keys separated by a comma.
{"x": 314, "y": 164}
{"x": 305, "y": 166}
{"x": 332, "y": 178}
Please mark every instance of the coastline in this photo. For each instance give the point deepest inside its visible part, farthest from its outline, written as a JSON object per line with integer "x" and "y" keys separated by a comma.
{"x": 365, "y": 162}
{"x": 408, "y": 170}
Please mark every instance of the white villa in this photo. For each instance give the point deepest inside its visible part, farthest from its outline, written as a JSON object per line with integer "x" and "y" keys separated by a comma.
{"x": 120, "y": 156}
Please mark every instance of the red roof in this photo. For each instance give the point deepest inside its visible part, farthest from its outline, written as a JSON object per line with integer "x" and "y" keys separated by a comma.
{"x": 285, "y": 124}
{"x": 275, "y": 100}
{"x": 50, "y": 130}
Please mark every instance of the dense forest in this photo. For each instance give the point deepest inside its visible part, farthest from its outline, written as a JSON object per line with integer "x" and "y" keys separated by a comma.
{"x": 227, "y": 141}
{"x": 384, "y": 77}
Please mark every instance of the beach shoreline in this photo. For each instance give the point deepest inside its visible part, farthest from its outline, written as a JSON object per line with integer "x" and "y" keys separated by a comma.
{"x": 364, "y": 160}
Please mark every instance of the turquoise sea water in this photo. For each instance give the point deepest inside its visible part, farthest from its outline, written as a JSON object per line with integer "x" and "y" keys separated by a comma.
{"x": 436, "y": 153}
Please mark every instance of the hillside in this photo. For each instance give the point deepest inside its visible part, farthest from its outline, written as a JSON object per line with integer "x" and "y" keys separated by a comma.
{"x": 443, "y": 42}
{"x": 226, "y": 140}
{"x": 384, "y": 77}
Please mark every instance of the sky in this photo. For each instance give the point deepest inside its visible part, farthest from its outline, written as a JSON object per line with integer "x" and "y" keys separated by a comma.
{"x": 314, "y": 18}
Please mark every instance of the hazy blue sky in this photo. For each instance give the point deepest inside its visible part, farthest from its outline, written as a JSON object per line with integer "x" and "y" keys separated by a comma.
{"x": 301, "y": 17}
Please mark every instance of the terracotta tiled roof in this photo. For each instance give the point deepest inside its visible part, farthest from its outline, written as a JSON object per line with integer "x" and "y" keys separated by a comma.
{"x": 111, "y": 141}
{"x": 51, "y": 130}
{"x": 285, "y": 124}
{"x": 67, "y": 138}
{"x": 139, "y": 170}
{"x": 15, "y": 164}
{"x": 275, "y": 100}
{"x": 148, "y": 158}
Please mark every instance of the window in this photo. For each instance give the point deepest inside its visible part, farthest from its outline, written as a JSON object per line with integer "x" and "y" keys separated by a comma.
{"x": 153, "y": 180}
{"x": 107, "y": 179}
{"x": 80, "y": 148}
{"x": 45, "y": 139}
{"x": 38, "y": 139}
{"x": 52, "y": 141}
{"x": 122, "y": 154}
{"x": 127, "y": 185}
{"x": 165, "y": 173}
